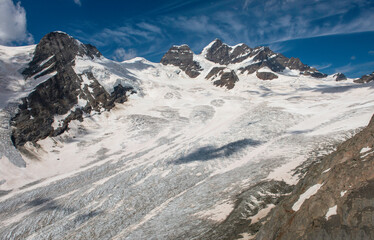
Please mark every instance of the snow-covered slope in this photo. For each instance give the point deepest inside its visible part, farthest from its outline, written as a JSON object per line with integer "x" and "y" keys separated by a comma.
{"x": 169, "y": 162}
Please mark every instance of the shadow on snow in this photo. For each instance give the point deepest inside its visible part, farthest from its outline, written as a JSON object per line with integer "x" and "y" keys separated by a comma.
{"x": 210, "y": 152}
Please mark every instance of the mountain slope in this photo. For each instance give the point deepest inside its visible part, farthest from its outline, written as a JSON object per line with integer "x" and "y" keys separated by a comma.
{"x": 64, "y": 93}
{"x": 218, "y": 58}
{"x": 180, "y": 159}
{"x": 341, "y": 207}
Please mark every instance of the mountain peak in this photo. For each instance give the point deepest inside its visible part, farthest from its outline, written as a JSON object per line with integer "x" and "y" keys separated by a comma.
{"x": 365, "y": 78}
{"x": 219, "y": 52}
{"x": 61, "y": 90}
{"x": 57, "y": 47}
{"x": 182, "y": 57}
{"x": 339, "y": 76}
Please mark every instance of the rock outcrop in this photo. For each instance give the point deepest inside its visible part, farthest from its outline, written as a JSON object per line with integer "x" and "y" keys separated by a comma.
{"x": 314, "y": 73}
{"x": 226, "y": 56}
{"x": 365, "y": 78}
{"x": 221, "y": 53}
{"x": 182, "y": 57}
{"x": 266, "y": 75}
{"x": 64, "y": 93}
{"x": 339, "y": 77}
{"x": 334, "y": 200}
{"x": 250, "y": 205}
{"x": 223, "y": 77}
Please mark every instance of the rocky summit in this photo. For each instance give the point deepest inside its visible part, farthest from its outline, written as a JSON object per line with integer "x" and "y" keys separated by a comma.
{"x": 232, "y": 143}
{"x": 365, "y": 78}
{"x": 182, "y": 56}
{"x": 64, "y": 93}
{"x": 239, "y": 59}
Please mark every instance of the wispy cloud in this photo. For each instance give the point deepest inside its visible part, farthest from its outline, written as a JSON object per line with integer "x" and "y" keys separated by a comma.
{"x": 274, "y": 21}
{"x": 120, "y": 54}
{"x": 255, "y": 22}
{"x": 356, "y": 69}
{"x": 371, "y": 52}
{"x": 78, "y": 2}
{"x": 13, "y": 23}
{"x": 323, "y": 66}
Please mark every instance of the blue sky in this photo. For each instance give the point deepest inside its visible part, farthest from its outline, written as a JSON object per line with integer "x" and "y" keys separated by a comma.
{"x": 334, "y": 35}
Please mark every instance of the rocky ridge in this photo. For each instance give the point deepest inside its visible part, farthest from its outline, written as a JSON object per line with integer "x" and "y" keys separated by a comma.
{"x": 229, "y": 58}
{"x": 182, "y": 56}
{"x": 365, "y": 78}
{"x": 64, "y": 93}
{"x": 339, "y": 77}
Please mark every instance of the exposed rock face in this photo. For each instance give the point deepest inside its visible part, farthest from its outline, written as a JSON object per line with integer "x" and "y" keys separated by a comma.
{"x": 61, "y": 50}
{"x": 62, "y": 94}
{"x": 314, "y": 73}
{"x": 340, "y": 77}
{"x": 266, "y": 75}
{"x": 295, "y": 63}
{"x": 251, "y": 59}
{"x": 182, "y": 57}
{"x": 251, "y": 202}
{"x": 334, "y": 200}
{"x": 365, "y": 78}
{"x": 265, "y": 57}
{"x": 223, "y": 54}
{"x": 223, "y": 77}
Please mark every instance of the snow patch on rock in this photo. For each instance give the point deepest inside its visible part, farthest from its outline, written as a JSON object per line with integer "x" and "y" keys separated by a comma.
{"x": 306, "y": 195}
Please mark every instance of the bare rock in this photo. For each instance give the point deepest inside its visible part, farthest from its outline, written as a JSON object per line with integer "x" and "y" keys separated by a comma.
{"x": 339, "y": 77}
{"x": 223, "y": 54}
{"x": 59, "y": 94}
{"x": 365, "y": 78}
{"x": 342, "y": 208}
{"x": 314, "y": 73}
{"x": 223, "y": 77}
{"x": 182, "y": 57}
{"x": 266, "y": 75}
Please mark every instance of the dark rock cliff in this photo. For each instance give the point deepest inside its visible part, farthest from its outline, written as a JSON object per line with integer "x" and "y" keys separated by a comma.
{"x": 266, "y": 75}
{"x": 223, "y": 77}
{"x": 342, "y": 208}
{"x": 276, "y": 62}
{"x": 182, "y": 56}
{"x": 365, "y": 78}
{"x": 59, "y": 95}
{"x": 339, "y": 77}
{"x": 220, "y": 53}
{"x": 224, "y": 54}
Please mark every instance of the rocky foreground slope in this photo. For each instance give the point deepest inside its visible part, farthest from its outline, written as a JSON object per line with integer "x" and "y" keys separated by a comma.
{"x": 335, "y": 199}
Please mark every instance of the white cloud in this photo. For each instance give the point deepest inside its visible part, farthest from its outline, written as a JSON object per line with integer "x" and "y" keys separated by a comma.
{"x": 149, "y": 27}
{"x": 371, "y": 52}
{"x": 78, "y": 2}
{"x": 323, "y": 66}
{"x": 121, "y": 54}
{"x": 13, "y": 23}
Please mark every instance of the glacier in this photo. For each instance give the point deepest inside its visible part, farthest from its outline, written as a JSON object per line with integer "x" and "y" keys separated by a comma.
{"x": 170, "y": 162}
